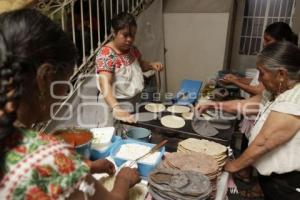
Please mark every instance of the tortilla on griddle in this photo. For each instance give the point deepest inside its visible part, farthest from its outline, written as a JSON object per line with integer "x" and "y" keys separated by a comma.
{"x": 172, "y": 121}
{"x": 188, "y": 115}
{"x": 204, "y": 128}
{"x": 178, "y": 109}
{"x": 155, "y": 107}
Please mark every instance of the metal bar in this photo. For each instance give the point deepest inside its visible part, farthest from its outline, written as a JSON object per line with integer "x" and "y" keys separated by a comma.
{"x": 245, "y": 34}
{"x": 73, "y": 30}
{"x": 292, "y": 14}
{"x": 117, "y": 6}
{"x": 280, "y": 6}
{"x": 286, "y": 8}
{"x": 111, "y": 9}
{"x": 123, "y": 7}
{"x": 105, "y": 19}
{"x": 246, "y": 17}
{"x": 128, "y": 6}
{"x": 73, "y": 23}
{"x": 251, "y": 33}
{"x": 82, "y": 32}
{"x": 91, "y": 28}
{"x": 132, "y": 5}
{"x": 259, "y": 21}
{"x": 265, "y": 20}
{"x": 63, "y": 18}
{"x": 274, "y": 8}
{"x": 98, "y": 23}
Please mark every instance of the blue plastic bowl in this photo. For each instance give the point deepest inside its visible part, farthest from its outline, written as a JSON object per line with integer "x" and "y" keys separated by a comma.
{"x": 138, "y": 133}
{"x": 95, "y": 154}
{"x": 143, "y": 168}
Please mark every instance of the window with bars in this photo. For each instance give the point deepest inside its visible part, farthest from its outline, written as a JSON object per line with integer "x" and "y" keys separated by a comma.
{"x": 258, "y": 14}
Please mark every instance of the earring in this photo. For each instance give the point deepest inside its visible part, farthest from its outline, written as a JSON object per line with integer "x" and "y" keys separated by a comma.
{"x": 279, "y": 88}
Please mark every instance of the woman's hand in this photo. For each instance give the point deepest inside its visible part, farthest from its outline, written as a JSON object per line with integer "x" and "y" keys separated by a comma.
{"x": 123, "y": 115}
{"x": 231, "y": 167}
{"x": 102, "y": 166}
{"x": 202, "y": 107}
{"x": 130, "y": 175}
{"x": 157, "y": 66}
{"x": 229, "y": 78}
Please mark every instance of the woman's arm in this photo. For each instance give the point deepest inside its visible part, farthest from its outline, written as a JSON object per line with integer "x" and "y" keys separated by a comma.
{"x": 246, "y": 107}
{"x": 245, "y": 80}
{"x": 243, "y": 83}
{"x": 253, "y": 90}
{"x": 146, "y": 66}
{"x": 278, "y": 129}
{"x": 229, "y": 77}
{"x": 106, "y": 84}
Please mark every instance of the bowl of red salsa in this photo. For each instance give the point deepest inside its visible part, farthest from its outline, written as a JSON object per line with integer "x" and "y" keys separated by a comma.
{"x": 80, "y": 139}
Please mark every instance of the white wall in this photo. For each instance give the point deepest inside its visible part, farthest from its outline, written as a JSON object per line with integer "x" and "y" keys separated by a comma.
{"x": 195, "y": 46}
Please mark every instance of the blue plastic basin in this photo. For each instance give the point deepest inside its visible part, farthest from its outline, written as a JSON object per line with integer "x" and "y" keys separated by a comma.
{"x": 143, "y": 168}
{"x": 138, "y": 133}
{"x": 95, "y": 154}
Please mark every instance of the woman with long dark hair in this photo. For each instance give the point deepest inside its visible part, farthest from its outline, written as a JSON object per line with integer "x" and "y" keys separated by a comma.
{"x": 35, "y": 52}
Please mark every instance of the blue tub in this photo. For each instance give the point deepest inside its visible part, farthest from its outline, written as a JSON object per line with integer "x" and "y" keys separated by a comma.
{"x": 143, "y": 168}
{"x": 95, "y": 154}
{"x": 138, "y": 133}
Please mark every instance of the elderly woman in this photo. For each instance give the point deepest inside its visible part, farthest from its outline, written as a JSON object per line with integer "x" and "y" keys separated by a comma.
{"x": 119, "y": 66}
{"x": 274, "y": 144}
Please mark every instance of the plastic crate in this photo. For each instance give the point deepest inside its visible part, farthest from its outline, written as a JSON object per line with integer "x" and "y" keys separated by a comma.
{"x": 143, "y": 168}
{"x": 96, "y": 154}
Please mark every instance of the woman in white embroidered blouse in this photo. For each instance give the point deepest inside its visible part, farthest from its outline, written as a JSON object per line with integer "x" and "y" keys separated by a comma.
{"x": 275, "y": 138}
{"x": 119, "y": 67}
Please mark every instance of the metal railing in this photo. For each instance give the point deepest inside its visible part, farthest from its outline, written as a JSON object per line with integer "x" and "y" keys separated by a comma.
{"x": 88, "y": 24}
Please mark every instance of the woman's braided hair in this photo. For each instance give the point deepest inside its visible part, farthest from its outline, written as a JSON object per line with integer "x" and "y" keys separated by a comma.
{"x": 28, "y": 39}
{"x": 10, "y": 88}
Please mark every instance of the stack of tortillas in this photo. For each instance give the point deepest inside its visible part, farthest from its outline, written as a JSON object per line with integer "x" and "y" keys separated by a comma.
{"x": 218, "y": 151}
{"x": 169, "y": 184}
{"x": 155, "y": 107}
{"x": 198, "y": 162}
